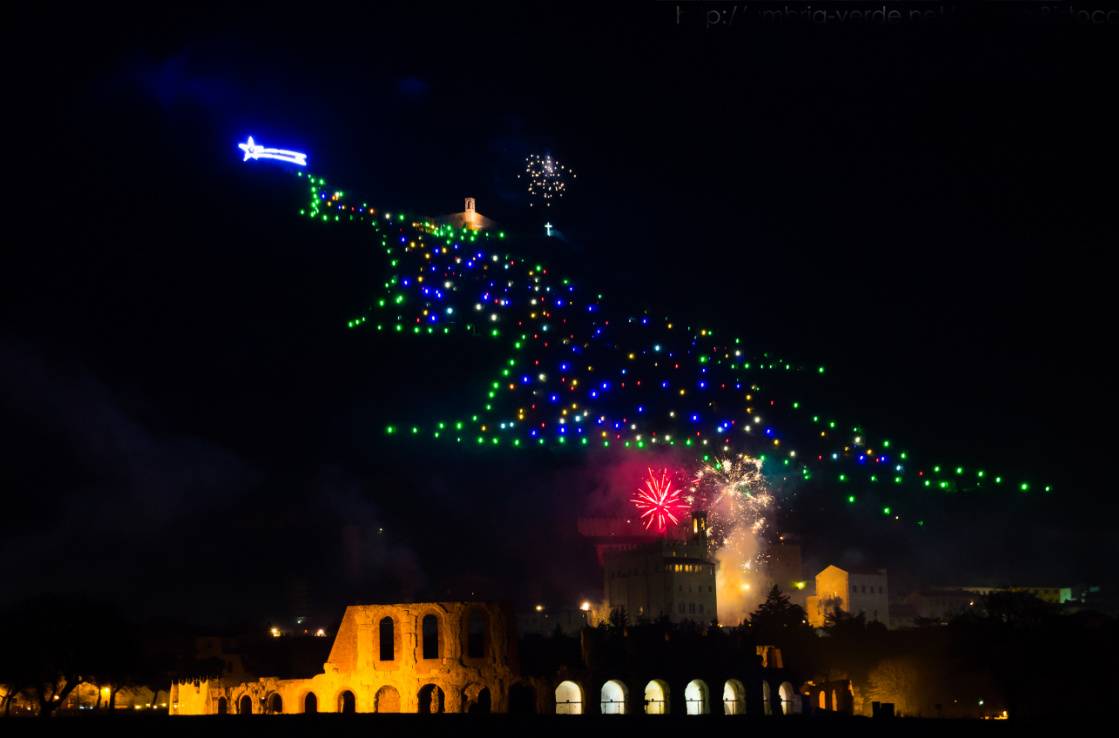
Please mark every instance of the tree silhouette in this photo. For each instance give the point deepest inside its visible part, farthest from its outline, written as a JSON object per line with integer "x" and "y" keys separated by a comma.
{"x": 54, "y": 643}
{"x": 778, "y": 619}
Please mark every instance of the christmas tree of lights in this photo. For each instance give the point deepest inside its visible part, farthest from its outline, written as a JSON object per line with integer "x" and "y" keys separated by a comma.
{"x": 571, "y": 373}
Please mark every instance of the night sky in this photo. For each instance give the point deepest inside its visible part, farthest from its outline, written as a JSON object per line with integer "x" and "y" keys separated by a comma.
{"x": 927, "y": 209}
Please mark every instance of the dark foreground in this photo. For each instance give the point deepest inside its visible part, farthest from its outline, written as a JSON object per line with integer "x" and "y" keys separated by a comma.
{"x": 528, "y": 726}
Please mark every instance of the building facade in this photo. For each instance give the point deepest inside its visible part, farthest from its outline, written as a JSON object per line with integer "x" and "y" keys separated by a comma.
{"x": 852, "y": 591}
{"x": 419, "y": 657}
{"x": 663, "y": 578}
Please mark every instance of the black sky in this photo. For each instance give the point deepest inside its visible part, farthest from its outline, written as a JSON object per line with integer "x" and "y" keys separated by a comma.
{"x": 928, "y": 209}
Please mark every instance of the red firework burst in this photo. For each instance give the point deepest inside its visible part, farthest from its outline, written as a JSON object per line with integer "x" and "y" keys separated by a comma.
{"x": 658, "y": 502}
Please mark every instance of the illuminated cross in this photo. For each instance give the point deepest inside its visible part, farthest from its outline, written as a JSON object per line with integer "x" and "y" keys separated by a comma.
{"x": 548, "y": 229}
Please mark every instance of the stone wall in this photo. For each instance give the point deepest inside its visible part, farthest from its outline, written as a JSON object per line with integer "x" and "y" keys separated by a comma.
{"x": 447, "y": 677}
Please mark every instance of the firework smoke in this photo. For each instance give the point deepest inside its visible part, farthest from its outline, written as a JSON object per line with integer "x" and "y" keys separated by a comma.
{"x": 739, "y": 506}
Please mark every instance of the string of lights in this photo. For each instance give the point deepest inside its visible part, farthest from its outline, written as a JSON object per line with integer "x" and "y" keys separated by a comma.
{"x": 573, "y": 373}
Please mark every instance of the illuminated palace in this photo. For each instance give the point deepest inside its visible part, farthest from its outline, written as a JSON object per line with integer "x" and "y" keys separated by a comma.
{"x": 663, "y": 577}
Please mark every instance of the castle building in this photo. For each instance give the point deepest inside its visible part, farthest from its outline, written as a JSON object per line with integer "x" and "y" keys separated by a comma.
{"x": 420, "y": 657}
{"x": 664, "y": 577}
{"x": 853, "y": 591}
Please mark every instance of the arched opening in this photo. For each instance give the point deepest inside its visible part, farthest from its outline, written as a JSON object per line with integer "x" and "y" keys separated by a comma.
{"x": 310, "y": 703}
{"x": 767, "y": 702}
{"x": 569, "y": 698}
{"x": 387, "y": 699}
{"x": 245, "y": 706}
{"x": 477, "y": 627}
{"x": 734, "y": 698}
{"x": 430, "y": 629}
{"x": 347, "y": 703}
{"x": 479, "y": 704}
{"x": 790, "y": 700}
{"x": 522, "y": 699}
{"x": 223, "y": 706}
{"x": 431, "y": 698}
{"x": 823, "y": 699}
{"x": 614, "y": 695}
{"x": 695, "y": 698}
{"x": 386, "y": 646}
{"x": 656, "y": 698}
{"x": 274, "y": 704}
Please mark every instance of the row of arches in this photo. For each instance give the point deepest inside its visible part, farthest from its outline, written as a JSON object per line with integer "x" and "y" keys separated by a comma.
{"x": 614, "y": 698}
{"x": 570, "y": 699}
{"x": 430, "y": 699}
